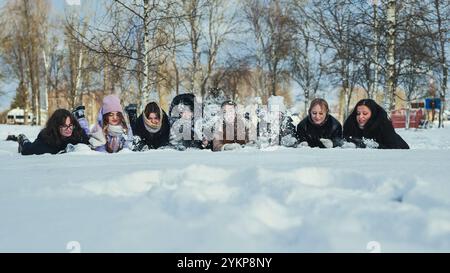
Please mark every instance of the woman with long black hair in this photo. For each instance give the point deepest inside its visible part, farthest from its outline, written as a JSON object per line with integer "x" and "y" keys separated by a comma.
{"x": 369, "y": 123}
{"x": 62, "y": 129}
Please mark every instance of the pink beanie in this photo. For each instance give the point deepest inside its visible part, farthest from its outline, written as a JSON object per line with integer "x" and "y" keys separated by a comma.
{"x": 111, "y": 103}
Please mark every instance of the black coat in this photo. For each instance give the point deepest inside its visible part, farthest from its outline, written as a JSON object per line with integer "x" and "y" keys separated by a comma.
{"x": 41, "y": 146}
{"x": 153, "y": 140}
{"x": 378, "y": 128}
{"x": 312, "y": 133}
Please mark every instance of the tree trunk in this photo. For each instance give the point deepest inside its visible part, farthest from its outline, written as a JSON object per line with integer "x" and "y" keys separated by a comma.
{"x": 77, "y": 87}
{"x": 376, "y": 50}
{"x": 146, "y": 82}
{"x": 32, "y": 59}
{"x": 47, "y": 81}
{"x": 389, "y": 102}
{"x": 443, "y": 60}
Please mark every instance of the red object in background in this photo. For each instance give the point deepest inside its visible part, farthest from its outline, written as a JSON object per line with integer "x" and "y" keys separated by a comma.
{"x": 398, "y": 118}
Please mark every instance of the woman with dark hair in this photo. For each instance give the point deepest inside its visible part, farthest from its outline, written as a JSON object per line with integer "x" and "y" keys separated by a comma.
{"x": 370, "y": 124}
{"x": 152, "y": 127}
{"x": 61, "y": 129}
{"x": 319, "y": 128}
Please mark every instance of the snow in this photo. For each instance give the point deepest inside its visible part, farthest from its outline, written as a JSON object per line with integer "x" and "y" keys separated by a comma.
{"x": 249, "y": 200}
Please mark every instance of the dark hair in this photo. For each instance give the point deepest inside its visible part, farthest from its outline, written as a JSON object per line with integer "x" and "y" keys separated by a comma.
{"x": 378, "y": 113}
{"x": 228, "y": 102}
{"x": 187, "y": 99}
{"x": 374, "y": 108}
{"x": 152, "y": 107}
{"x": 122, "y": 122}
{"x": 58, "y": 118}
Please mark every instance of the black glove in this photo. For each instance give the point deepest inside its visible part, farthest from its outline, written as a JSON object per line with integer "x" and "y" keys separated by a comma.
{"x": 78, "y": 112}
{"x": 138, "y": 145}
{"x": 359, "y": 142}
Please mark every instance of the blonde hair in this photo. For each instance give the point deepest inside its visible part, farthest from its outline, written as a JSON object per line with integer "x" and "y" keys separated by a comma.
{"x": 321, "y": 102}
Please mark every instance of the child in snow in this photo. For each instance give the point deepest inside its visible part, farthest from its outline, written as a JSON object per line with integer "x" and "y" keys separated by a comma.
{"x": 319, "y": 128}
{"x": 62, "y": 129}
{"x": 369, "y": 126}
{"x": 112, "y": 133}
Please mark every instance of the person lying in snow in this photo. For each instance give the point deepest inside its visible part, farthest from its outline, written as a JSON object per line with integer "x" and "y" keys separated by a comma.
{"x": 319, "y": 128}
{"x": 186, "y": 128}
{"x": 111, "y": 134}
{"x": 232, "y": 132}
{"x": 275, "y": 126}
{"x": 61, "y": 131}
{"x": 151, "y": 129}
{"x": 369, "y": 126}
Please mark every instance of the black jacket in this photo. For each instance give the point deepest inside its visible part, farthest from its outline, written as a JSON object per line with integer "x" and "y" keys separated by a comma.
{"x": 41, "y": 146}
{"x": 312, "y": 133}
{"x": 379, "y": 128}
{"x": 153, "y": 140}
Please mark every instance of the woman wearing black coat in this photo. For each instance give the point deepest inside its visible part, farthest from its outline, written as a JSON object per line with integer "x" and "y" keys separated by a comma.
{"x": 369, "y": 121}
{"x": 61, "y": 129}
{"x": 319, "y": 128}
{"x": 152, "y": 127}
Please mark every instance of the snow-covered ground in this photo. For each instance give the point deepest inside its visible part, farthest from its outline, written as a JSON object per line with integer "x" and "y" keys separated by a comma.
{"x": 274, "y": 200}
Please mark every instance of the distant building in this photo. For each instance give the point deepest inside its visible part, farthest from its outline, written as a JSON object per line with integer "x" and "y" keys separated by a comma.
{"x": 17, "y": 116}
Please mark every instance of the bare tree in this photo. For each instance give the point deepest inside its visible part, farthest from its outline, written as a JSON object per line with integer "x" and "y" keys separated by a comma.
{"x": 439, "y": 17}
{"x": 25, "y": 21}
{"x": 192, "y": 9}
{"x": 220, "y": 26}
{"x": 130, "y": 37}
{"x": 273, "y": 28}
{"x": 391, "y": 18}
{"x": 337, "y": 26}
{"x": 307, "y": 57}
{"x": 233, "y": 78}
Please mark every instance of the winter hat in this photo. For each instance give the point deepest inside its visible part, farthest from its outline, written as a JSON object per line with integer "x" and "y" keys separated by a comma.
{"x": 111, "y": 103}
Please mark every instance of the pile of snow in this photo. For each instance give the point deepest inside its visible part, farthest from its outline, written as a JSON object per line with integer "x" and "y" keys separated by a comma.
{"x": 271, "y": 200}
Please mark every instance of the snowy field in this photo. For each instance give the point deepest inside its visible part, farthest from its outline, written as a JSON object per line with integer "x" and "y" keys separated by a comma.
{"x": 275, "y": 200}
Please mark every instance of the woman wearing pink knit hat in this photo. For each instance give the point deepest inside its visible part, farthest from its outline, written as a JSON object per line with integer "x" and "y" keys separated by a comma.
{"x": 112, "y": 133}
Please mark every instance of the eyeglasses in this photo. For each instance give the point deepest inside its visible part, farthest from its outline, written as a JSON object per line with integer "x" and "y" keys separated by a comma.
{"x": 66, "y": 127}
